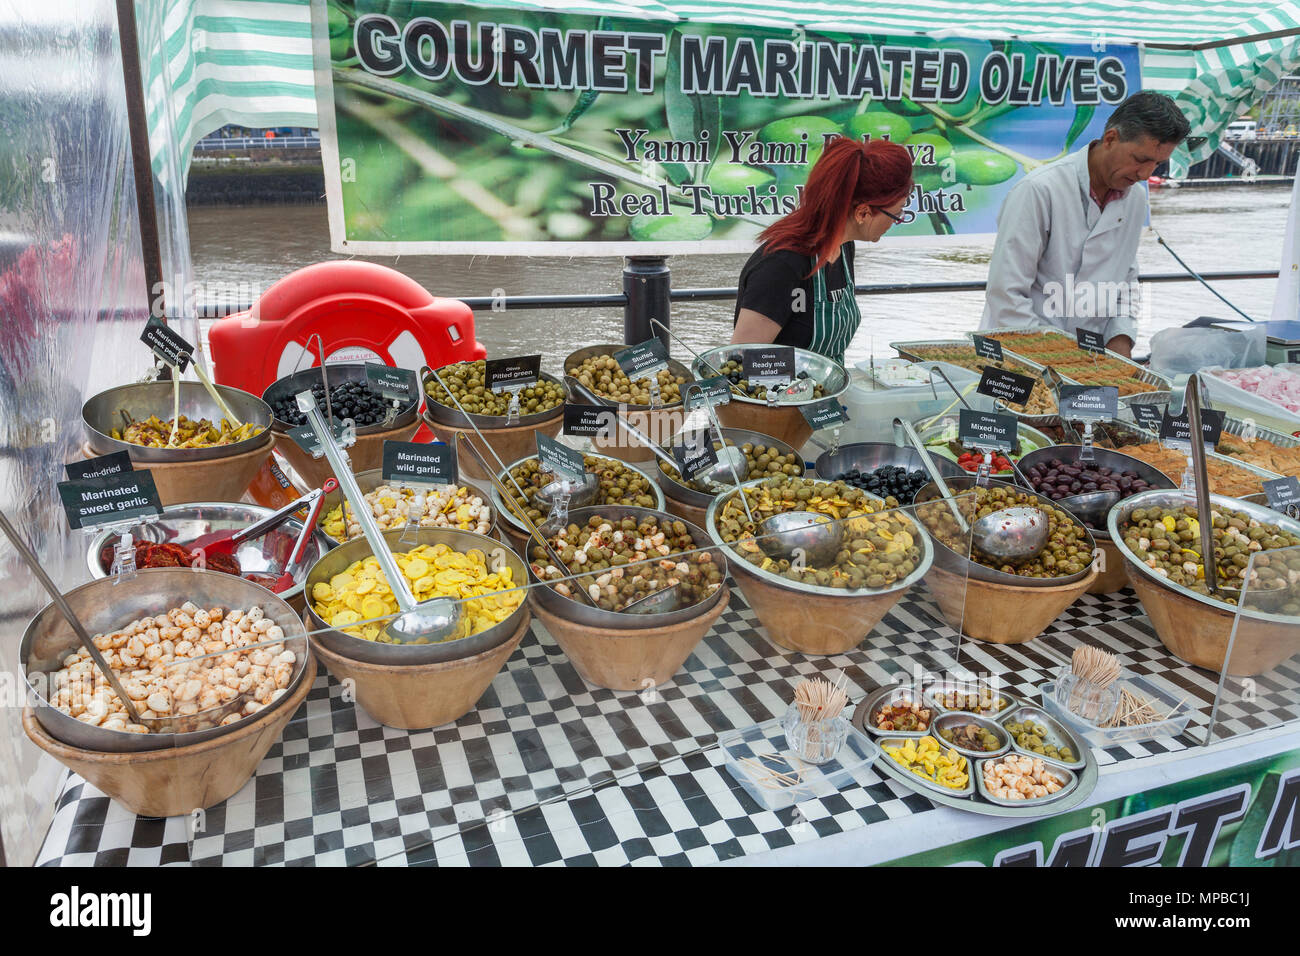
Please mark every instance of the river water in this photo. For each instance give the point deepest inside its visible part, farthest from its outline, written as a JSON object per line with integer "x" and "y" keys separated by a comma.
{"x": 1213, "y": 229}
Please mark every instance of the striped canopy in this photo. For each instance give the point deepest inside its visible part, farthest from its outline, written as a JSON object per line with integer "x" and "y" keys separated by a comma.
{"x": 248, "y": 62}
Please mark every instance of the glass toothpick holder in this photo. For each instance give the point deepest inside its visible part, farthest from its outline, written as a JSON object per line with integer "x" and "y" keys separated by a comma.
{"x": 815, "y": 741}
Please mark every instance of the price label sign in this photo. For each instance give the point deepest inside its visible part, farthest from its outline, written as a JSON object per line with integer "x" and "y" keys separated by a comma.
{"x": 518, "y": 372}
{"x": 1089, "y": 340}
{"x": 824, "y": 413}
{"x": 1177, "y": 432}
{"x": 695, "y": 454}
{"x": 304, "y": 436}
{"x": 559, "y": 459}
{"x": 1089, "y": 403}
{"x": 114, "y": 464}
{"x": 713, "y": 391}
{"x": 988, "y": 348}
{"x": 589, "y": 420}
{"x": 391, "y": 383}
{"x": 1283, "y": 494}
{"x": 415, "y": 462}
{"x": 166, "y": 344}
{"x": 1148, "y": 415}
{"x": 91, "y": 502}
{"x": 1008, "y": 386}
{"x": 769, "y": 365}
{"x": 986, "y": 430}
{"x": 644, "y": 360}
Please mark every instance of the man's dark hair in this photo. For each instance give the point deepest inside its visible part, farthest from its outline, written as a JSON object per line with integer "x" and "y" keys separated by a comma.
{"x": 1149, "y": 114}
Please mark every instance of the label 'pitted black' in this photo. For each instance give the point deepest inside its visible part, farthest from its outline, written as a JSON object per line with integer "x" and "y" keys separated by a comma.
{"x": 824, "y": 413}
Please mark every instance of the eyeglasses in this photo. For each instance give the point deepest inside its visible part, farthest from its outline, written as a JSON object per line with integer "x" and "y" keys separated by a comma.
{"x": 886, "y": 212}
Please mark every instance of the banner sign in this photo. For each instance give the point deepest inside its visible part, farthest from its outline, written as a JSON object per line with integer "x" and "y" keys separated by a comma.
{"x": 459, "y": 129}
{"x": 1247, "y": 815}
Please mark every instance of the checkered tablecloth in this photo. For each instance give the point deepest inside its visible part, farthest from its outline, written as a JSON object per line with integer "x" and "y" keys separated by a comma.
{"x": 549, "y": 770}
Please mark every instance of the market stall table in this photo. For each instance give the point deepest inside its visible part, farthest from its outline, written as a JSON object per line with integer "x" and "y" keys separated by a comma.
{"x": 547, "y": 770}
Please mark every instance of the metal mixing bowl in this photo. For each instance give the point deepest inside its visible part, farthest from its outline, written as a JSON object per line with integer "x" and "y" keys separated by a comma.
{"x": 301, "y": 381}
{"x": 1023, "y": 432}
{"x": 1106, "y": 458}
{"x": 503, "y": 511}
{"x": 867, "y": 456}
{"x": 1176, "y": 499}
{"x": 374, "y": 477}
{"x": 104, "y": 606}
{"x": 437, "y": 414}
{"x": 960, "y": 563}
{"x": 684, "y": 493}
{"x": 927, "y": 553}
{"x": 181, "y": 524}
{"x": 101, "y": 414}
{"x": 374, "y": 652}
{"x": 582, "y": 613}
{"x": 827, "y": 373}
{"x": 591, "y": 351}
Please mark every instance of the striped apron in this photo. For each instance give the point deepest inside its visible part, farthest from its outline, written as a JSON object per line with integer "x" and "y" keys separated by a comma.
{"x": 835, "y": 315}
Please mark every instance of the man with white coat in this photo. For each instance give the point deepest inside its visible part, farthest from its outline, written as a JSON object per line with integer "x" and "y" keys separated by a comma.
{"x": 1066, "y": 249}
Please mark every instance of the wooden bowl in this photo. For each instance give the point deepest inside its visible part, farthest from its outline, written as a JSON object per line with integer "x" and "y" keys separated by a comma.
{"x": 1199, "y": 634}
{"x": 629, "y": 659}
{"x": 818, "y": 624}
{"x": 419, "y": 696}
{"x": 1113, "y": 575}
{"x": 510, "y": 443}
{"x": 785, "y": 423}
{"x": 1001, "y": 613}
{"x": 177, "y": 781}
{"x": 365, "y": 455}
{"x": 696, "y": 516}
{"x": 655, "y": 423}
{"x": 214, "y": 479}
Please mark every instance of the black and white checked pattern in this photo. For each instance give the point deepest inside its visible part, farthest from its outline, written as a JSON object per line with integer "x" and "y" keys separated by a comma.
{"x": 548, "y": 770}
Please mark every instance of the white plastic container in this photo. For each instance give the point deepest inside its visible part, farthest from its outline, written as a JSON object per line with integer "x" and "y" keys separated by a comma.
{"x": 1240, "y": 403}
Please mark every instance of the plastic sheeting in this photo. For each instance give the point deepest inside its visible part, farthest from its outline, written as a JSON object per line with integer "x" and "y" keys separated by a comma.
{"x": 72, "y": 302}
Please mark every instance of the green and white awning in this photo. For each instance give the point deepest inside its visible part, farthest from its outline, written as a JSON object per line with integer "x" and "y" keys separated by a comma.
{"x": 248, "y": 62}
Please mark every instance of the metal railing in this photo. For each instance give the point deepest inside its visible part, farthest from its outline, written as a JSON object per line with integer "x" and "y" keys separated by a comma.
{"x": 619, "y": 300}
{"x": 219, "y": 143}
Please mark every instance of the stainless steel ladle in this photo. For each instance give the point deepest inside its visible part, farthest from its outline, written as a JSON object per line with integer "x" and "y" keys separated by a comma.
{"x": 430, "y": 622}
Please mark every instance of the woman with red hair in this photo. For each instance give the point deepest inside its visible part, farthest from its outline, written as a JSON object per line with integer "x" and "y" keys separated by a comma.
{"x": 797, "y": 288}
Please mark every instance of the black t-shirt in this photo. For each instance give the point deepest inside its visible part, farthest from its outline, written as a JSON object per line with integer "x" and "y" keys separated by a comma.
{"x": 768, "y": 283}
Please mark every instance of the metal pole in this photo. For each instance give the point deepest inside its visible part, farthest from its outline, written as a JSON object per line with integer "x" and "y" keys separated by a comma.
{"x": 646, "y": 283}
{"x": 137, "y": 120}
